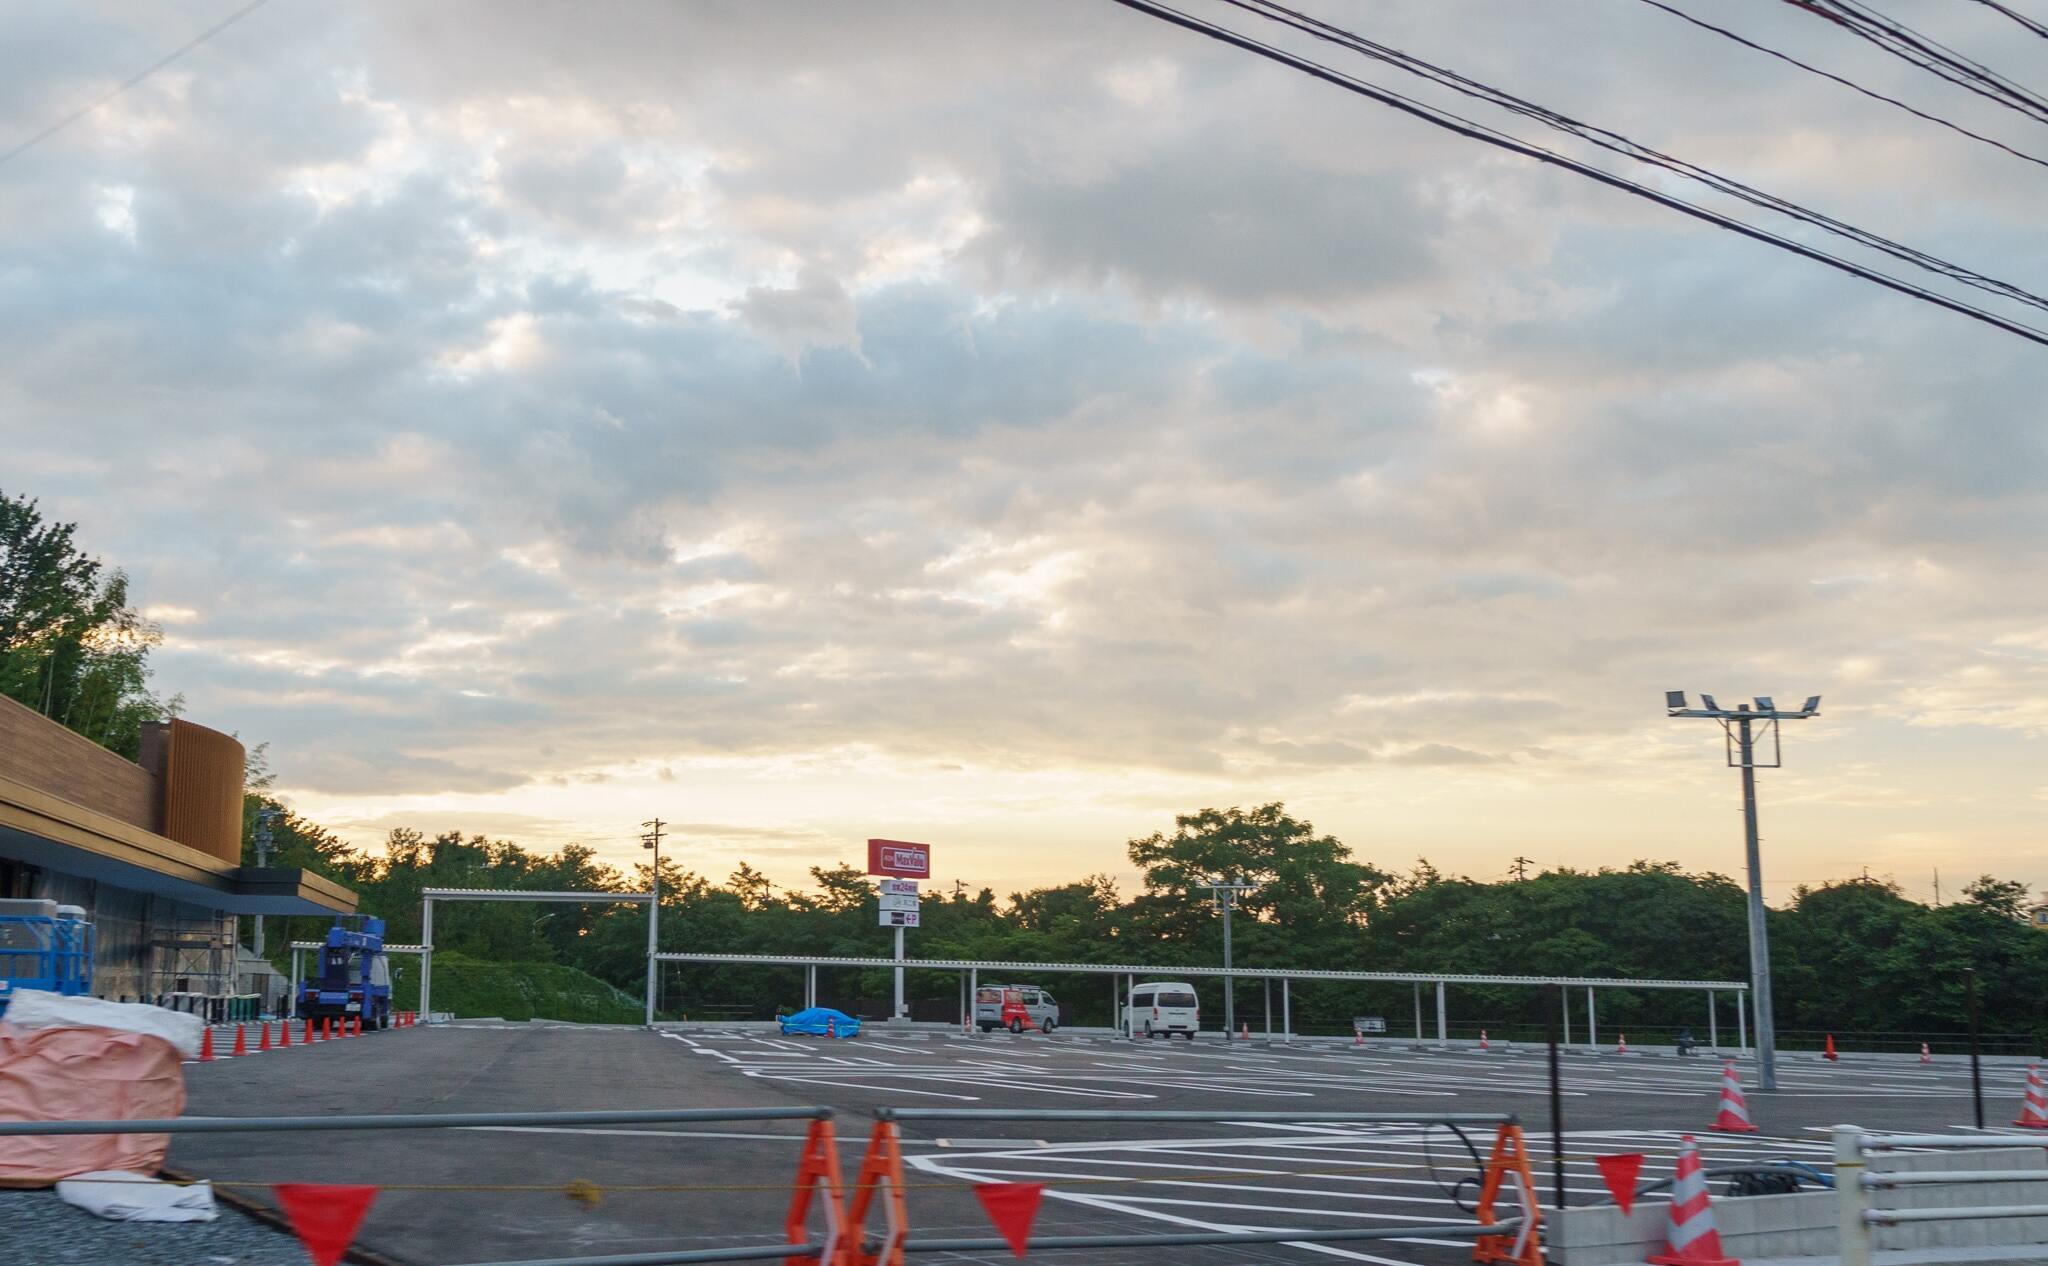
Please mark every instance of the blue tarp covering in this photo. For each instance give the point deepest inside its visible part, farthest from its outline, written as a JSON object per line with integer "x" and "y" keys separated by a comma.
{"x": 812, "y": 1021}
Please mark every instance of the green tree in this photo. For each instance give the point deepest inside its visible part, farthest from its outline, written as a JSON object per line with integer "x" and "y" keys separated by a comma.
{"x": 70, "y": 645}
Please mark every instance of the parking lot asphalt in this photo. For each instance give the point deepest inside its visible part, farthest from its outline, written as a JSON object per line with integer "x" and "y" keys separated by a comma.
{"x": 484, "y": 1196}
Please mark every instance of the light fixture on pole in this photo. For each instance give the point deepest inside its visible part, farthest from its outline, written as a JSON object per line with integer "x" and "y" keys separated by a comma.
{"x": 652, "y": 839}
{"x": 1743, "y": 727}
{"x": 1226, "y": 898}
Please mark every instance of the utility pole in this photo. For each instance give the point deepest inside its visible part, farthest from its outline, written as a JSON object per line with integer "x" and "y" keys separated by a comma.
{"x": 1520, "y": 869}
{"x": 1225, "y": 894}
{"x": 264, "y": 817}
{"x": 1741, "y": 733}
{"x": 652, "y": 839}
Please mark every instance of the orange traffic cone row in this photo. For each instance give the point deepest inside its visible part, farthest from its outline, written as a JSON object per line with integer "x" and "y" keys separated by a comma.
{"x": 264, "y": 1044}
{"x": 1484, "y": 1045}
{"x": 2035, "y": 1115}
{"x": 206, "y": 1046}
{"x": 1926, "y": 1057}
{"x": 1692, "y": 1240}
{"x": 241, "y": 1043}
{"x": 1829, "y": 1053}
{"x": 1622, "y": 1049}
{"x": 1733, "y": 1118}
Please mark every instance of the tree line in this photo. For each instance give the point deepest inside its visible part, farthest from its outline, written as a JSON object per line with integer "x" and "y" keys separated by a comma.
{"x": 1853, "y": 958}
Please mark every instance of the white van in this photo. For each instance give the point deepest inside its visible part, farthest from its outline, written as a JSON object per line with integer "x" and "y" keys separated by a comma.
{"x": 1162, "y": 1008}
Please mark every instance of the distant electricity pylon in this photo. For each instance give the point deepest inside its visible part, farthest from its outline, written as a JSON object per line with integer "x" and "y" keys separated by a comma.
{"x": 1742, "y": 733}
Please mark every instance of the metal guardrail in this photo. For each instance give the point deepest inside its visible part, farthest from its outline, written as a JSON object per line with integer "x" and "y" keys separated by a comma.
{"x": 1193, "y": 1117}
{"x": 1853, "y": 1182}
{"x": 413, "y": 1121}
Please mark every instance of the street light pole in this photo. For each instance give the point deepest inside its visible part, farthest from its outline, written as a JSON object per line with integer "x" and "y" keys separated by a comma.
{"x": 264, "y": 816}
{"x": 1740, "y": 725}
{"x": 652, "y": 840}
{"x": 1226, "y": 898}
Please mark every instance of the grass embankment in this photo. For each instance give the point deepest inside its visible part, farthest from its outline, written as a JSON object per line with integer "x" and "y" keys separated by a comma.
{"x": 518, "y": 991}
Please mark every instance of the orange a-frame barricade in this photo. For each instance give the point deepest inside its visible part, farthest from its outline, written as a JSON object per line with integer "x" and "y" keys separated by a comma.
{"x": 817, "y": 1174}
{"x": 1509, "y": 1164}
{"x": 881, "y": 1174}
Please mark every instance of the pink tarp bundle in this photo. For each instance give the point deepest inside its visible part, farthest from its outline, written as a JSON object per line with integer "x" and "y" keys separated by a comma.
{"x": 51, "y": 1070}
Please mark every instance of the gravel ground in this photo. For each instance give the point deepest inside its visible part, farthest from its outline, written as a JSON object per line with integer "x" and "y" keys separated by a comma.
{"x": 35, "y": 1226}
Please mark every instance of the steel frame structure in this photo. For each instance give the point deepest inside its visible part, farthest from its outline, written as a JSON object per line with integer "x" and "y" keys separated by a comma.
{"x": 428, "y": 896}
{"x": 972, "y": 968}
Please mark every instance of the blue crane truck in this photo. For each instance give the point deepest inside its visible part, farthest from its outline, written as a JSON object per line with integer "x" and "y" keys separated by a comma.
{"x": 353, "y": 976}
{"x": 44, "y": 945}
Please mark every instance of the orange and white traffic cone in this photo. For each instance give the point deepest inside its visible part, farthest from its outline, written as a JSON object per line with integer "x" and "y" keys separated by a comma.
{"x": 1484, "y": 1045}
{"x": 1926, "y": 1057}
{"x": 264, "y": 1045}
{"x": 1358, "y": 1037}
{"x": 2035, "y": 1115}
{"x": 831, "y": 1026}
{"x": 1733, "y": 1118}
{"x": 1829, "y": 1053}
{"x": 206, "y": 1046}
{"x": 1622, "y": 1048}
{"x": 1244, "y": 1031}
{"x": 241, "y": 1042}
{"x": 1692, "y": 1240}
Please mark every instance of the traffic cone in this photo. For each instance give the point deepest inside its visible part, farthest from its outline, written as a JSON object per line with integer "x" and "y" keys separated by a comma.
{"x": 327, "y": 1028}
{"x": 1483, "y": 1044}
{"x": 2035, "y": 1115}
{"x": 831, "y": 1026}
{"x": 241, "y": 1043}
{"x": 1733, "y": 1118}
{"x": 284, "y": 1036}
{"x": 1622, "y": 1049}
{"x": 1829, "y": 1053}
{"x": 206, "y": 1046}
{"x": 1692, "y": 1240}
{"x": 1925, "y": 1056}
{"x": 1244, "y": 1031}
{"x": 310, "y": 1039}
{"x": 264, "y": 1045}
{"x": 1358, "y": 1037}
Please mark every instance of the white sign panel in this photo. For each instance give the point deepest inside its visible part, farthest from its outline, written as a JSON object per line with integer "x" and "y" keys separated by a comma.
{"x": 890, "y": 901}
{"x": 899, "y": 918}
{"x": 899, "y": 887}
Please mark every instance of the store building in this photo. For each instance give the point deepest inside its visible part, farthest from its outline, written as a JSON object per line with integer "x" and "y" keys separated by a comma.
{"x": 151, "y": 849}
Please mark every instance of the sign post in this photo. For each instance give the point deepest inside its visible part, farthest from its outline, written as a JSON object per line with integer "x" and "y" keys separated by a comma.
{"x": 905, "y": 863}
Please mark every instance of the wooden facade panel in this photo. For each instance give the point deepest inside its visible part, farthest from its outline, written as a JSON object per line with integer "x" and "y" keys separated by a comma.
{"x": 202, "y": 782}
{"x": 44, "y": 755}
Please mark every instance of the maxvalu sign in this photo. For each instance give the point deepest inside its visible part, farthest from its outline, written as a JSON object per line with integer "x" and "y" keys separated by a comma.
{"x": 901, "y": 858}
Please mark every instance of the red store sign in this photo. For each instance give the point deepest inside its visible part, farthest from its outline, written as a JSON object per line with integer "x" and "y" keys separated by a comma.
{"x": 900, "y": 858}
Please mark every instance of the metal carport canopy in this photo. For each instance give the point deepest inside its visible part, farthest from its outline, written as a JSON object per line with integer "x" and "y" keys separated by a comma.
{"x": 1152, "y": 969}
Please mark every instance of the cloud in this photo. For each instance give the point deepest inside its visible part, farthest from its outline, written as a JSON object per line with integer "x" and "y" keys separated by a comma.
{"x": 1007, "y": 422}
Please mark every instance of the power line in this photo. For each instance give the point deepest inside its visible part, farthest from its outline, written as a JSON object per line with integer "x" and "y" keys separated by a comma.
{"x": 1614, "y": 142}
{"x": 1725, "y": 33}
{"x": 1480, "y": 132}
{"x": 1927, "y": 53}
{"x": 132, "y": 80}
{"x": 2021, "y": 18}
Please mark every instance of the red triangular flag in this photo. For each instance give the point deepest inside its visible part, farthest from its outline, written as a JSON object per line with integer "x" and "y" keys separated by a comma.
{"x": 1619, "y": 1173}
{"x": 326, "y": 1217}
{"x": 1011, "y": 1206}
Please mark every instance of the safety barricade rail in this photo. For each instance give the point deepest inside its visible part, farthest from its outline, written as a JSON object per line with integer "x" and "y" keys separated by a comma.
{"x": 1498, "y": 1236}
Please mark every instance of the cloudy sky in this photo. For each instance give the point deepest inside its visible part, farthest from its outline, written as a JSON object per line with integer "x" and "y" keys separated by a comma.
{"x": 1009, "y": 425}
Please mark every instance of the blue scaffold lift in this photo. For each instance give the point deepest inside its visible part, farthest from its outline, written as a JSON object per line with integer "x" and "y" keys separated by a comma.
{"x": 45, "y": 946}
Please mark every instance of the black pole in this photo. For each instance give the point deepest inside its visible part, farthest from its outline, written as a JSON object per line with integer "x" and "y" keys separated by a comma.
{"x": 1556, "y": 997}
{"x": 1976, "y": 1070}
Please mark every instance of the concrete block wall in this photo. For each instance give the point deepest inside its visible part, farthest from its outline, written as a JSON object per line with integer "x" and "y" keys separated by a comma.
{"x": 1798, "y": 1225}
